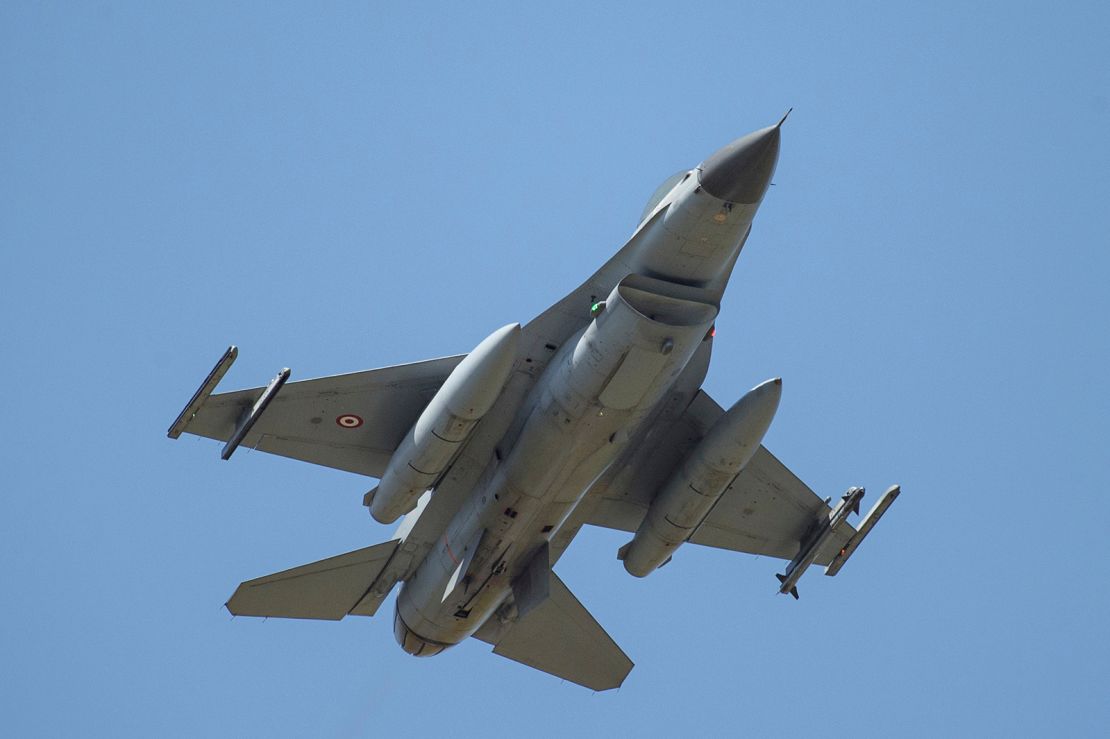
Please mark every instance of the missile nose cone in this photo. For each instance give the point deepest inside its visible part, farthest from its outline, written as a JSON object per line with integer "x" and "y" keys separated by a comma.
{"x": 741, "y": 171}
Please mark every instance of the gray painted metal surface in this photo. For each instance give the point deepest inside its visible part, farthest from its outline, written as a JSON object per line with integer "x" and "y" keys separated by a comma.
{"x": 445, "y": 424}
{"x": 200, "y": 397}
{"x": 865, "y": 527}
{"x": 327, "y": 589}
{"x": 696, "y": 485}
{"x": 591, "y": 413}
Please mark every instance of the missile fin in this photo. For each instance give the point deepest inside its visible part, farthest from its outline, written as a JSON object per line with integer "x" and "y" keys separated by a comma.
{"x": 793, "y": 591}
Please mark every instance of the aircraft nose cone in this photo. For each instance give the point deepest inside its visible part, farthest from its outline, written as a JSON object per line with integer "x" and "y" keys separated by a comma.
{"x": 741, "y": 171}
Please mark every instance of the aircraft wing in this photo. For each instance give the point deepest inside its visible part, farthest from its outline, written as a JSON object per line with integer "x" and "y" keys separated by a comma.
{"x": 350, "y": 422}
{"x": 766, "y": 510}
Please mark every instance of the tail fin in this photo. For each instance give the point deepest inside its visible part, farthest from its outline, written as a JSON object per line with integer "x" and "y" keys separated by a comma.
{"x": 328, "y": 589}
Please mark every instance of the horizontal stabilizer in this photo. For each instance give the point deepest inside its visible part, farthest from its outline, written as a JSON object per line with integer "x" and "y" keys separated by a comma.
{"x": 327, "y": 589}
{"x": 561, "y": 638}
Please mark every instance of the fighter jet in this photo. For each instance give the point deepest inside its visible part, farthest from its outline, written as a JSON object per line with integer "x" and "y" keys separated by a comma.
{"x": 591, "y": 413}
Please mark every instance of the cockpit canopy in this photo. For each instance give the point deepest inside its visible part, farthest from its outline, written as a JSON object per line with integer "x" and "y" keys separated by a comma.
{"x": 662, "y": 191}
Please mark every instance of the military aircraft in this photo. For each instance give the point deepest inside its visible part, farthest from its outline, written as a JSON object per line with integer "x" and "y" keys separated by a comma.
{"x": 591, "y": 413}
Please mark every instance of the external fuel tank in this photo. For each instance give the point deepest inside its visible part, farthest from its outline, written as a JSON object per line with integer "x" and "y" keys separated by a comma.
{"x": 709, "y": 468}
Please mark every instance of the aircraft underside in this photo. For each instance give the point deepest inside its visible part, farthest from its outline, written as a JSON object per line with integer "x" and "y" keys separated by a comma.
{"x": 591, "y": 413}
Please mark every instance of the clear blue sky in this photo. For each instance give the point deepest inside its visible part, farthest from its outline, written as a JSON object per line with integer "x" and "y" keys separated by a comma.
{"x": 348, "y": 186}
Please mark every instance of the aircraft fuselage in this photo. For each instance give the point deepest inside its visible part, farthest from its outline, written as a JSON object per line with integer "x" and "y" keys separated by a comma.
{"x": 577, "y": 417}
{"x": 591, "y": 414}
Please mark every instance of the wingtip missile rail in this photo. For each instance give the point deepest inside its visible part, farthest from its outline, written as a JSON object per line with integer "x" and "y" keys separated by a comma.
{"x": 222, "y": 366}
{"x": 868, "y": 523}
{"x": 811, "y": 545}
{"x": 247, "y": 418}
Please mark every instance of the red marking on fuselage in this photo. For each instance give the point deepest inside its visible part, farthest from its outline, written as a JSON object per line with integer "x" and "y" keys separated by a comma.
{"x": 447, "y": 546}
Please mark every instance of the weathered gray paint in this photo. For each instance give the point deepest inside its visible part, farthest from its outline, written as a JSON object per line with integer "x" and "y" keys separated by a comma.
{"x": 587, "y": 417}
